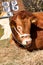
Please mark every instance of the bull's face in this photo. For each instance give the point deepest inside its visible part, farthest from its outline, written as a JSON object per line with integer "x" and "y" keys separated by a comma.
{"x": 20, "y": 26}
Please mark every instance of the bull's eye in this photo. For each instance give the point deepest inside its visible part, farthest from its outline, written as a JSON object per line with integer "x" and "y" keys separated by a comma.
{"x": 19, "y": 28}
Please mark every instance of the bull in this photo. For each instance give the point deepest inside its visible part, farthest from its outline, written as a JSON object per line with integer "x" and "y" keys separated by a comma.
{"x": 27, "y": 29}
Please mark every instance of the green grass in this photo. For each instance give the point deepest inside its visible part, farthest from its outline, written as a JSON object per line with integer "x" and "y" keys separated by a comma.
{"x": 1, "y": 31}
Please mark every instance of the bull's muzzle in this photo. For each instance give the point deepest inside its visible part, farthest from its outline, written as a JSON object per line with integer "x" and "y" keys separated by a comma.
{"x": 26, "y": 42}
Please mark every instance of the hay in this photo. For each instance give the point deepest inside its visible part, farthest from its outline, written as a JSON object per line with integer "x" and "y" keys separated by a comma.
{"x": 10, "y": 54}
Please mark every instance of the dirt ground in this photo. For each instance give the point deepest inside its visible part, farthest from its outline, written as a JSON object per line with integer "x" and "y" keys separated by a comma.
{"x": 10, "y": 54}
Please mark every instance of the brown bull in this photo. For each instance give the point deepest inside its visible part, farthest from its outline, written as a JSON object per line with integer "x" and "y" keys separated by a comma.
{"x": 27, "y": 29}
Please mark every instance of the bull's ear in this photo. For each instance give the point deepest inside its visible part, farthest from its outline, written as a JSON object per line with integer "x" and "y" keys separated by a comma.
{"x": 34, "y": 20}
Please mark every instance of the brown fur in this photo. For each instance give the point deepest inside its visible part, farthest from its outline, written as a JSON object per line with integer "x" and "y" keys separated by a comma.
{"x": 35, "y": 29}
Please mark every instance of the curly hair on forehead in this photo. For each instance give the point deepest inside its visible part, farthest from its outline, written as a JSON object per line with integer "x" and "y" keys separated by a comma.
{"x": 22, "y": 14}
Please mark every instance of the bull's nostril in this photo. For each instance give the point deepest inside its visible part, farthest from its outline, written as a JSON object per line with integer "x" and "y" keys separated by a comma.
{"x": 28, "y": 43}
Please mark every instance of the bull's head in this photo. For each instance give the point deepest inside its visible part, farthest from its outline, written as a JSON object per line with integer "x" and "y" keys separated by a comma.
{"x": 20, "y": 25}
